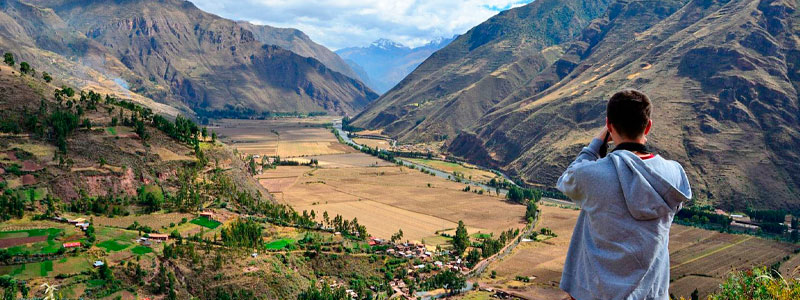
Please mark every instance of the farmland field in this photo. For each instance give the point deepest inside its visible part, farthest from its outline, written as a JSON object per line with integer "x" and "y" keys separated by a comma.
{"x": 280, "y": 244}
{"x": 112, "y": 245}
{"x": 141, "y": 250}
{"x": 470, "y": 173}
{"x": 210, "y": 224}
{"x": 373, "y": 143}
{"x": 154, "y": 221}
{"x": 31, "y": 241}
{"x": 381, "y": 195}
{"x": 699, "y": 258}
{"x": 284, "y": 137}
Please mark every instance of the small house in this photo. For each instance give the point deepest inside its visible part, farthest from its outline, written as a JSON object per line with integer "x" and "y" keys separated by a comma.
{"x": 78, "y": 220}
{"x": 98, "y": 263}
{"x": 159, "y": 236}
{"x": 82, "y": 226}
{"x": 207, "y": 215}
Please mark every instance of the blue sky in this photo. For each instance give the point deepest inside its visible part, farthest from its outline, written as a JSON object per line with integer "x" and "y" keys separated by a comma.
{"x": 344, "y": 23}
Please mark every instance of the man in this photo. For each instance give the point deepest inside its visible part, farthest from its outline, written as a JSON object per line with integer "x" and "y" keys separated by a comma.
{"x": 628, "y": 199}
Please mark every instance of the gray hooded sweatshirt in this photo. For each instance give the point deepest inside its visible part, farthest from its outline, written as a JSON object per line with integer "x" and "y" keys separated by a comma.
{"x": 619, "y": 246}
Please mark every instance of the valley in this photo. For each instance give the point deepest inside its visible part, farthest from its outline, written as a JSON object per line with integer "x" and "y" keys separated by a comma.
{"x": 383, "y": 196}
{"x": 386, "y": 198}
{"x": 154, "y": 150}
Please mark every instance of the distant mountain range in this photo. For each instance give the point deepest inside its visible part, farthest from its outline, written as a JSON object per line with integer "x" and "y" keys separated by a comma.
{"x": 172, "y": 52}
{"x": 525, "y": 90}
{"x": 384, "y": 63}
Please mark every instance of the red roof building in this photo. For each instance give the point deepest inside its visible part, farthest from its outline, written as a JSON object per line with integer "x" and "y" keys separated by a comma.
{"x": 72, "y": 245}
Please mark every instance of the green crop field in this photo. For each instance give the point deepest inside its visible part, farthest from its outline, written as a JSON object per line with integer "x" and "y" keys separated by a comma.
{"x": 37, "y": 194}
{"x": 280, "y": 244}
{"x": 113, "y": 245}
{"x": 52, "y": 232}
{"x": 45, "y": 267}
{"x": 29, "y": 270}
{"x": 210, "y": 224}
{"x": 141, "y": 250}
{"x": 111, "y": 130}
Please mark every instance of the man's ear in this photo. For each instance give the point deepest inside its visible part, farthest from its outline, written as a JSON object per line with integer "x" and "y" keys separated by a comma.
{"x": 609, "y": 127}
{"x": 649, "y": 125}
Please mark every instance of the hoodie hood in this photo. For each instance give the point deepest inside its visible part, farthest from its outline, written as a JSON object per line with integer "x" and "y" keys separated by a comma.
{"x": 648, "y": 194}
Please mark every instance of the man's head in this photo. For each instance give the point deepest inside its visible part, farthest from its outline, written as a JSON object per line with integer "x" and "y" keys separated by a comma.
{"x": 628, "y": 116}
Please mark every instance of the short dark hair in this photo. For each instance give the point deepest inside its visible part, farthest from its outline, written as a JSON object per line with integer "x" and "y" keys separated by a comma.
{"x": 629, "y": 112}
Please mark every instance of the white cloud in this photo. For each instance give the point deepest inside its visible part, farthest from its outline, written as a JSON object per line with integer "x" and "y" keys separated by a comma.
{"x": 345, "y": 23}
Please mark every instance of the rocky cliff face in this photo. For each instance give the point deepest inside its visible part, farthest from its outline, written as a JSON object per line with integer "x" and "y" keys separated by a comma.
{"x": 175, "y": 53}
{"x": 723, "y": 77}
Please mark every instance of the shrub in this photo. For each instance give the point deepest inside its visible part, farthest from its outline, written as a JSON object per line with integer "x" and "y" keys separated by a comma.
{"x": 8, "y": 58}
{"x": 24, "y": 67}
{"x": 757, "y": 284}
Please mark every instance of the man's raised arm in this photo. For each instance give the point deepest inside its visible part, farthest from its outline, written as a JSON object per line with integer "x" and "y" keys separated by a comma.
{"x": 571, "y": 183}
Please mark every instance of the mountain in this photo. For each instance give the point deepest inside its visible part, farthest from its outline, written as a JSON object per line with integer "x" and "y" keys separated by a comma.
{"x": 386, "y": 62}
{"x": 722, "y": 75}
{"x": 456, "y": 85}
{"x": 298, "y": 42}
{"x": 174, "y": 53}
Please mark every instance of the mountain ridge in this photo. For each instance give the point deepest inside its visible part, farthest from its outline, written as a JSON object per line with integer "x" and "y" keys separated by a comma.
{"x": 176, "y": 54}
{"x": 720, "y": 74}
{"x": 386, "y": 62}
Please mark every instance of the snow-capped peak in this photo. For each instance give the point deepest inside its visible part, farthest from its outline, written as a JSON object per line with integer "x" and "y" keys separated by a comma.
{"x": 386, "y": 44}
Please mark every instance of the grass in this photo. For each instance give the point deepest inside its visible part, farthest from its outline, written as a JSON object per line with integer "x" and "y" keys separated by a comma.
{"x": 95, "y": 283}
{"x": 112, "y": 130}
{"x": 207, "y": 223}
{"x": 481, "y": 235}
{"x": 45, "y": 267}
{"x": 155, "y": 191}
{"x": 38, "y": 194}
{"x": 477, "y": 296}
{"x": 280, "y": 244}
{"x": 51, "y": 232}
{"x": 112, "y": 245}
{"x": 141, "y": 250}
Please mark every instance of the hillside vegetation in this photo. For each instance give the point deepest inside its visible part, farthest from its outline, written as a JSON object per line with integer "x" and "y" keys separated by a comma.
{"x": 722, "y": 76}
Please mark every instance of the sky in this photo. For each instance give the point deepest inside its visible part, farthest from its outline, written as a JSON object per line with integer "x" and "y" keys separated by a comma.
{"x": 339, "y": 24}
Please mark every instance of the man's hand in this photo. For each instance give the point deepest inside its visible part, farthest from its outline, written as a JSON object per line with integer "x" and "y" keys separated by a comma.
{"x": 602, "y": 134}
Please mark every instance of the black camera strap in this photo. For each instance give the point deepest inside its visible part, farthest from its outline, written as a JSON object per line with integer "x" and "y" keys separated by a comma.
{"x": 632, "y": 147}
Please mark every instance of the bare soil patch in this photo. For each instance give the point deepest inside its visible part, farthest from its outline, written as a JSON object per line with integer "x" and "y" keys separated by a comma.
{"x": 11, "y": 242}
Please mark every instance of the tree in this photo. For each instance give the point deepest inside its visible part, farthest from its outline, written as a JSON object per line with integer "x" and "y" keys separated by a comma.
{"x": 90, "y": 237}
{"x": 695, "y": 295}
{"x": 473, "y": 257}
{"x": 213, "y": 136}
{"x": 397, "y": 236}
{"x": 46, "y": 76}
{"x": 8, "y": 58}
{"x": 87, "y": 124}
{"x": 461, "y": 239}
{"x": 11, "y": 292}
{"x": 24, "y": 67}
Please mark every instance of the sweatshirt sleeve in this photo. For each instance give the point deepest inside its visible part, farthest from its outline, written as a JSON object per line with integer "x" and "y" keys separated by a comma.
{"x": 571, "y": 183}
